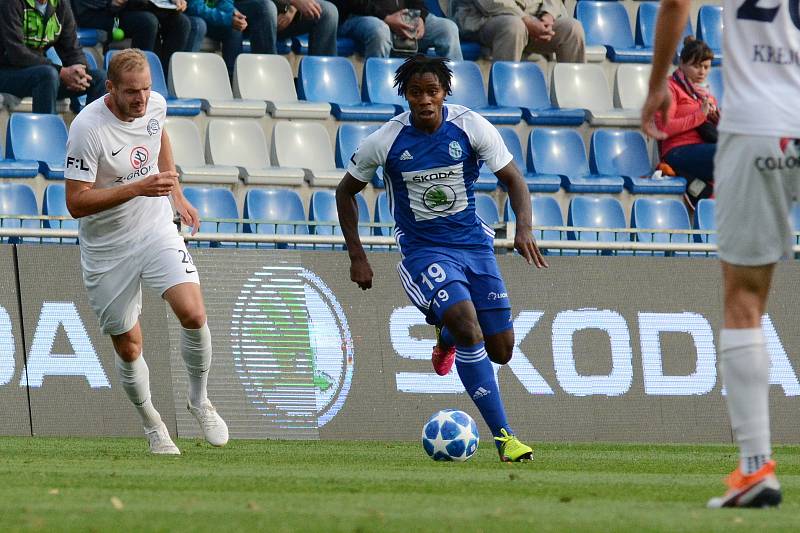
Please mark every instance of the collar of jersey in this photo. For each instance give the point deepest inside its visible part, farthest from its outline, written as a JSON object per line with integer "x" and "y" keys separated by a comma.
{"x": 437, "y": 130}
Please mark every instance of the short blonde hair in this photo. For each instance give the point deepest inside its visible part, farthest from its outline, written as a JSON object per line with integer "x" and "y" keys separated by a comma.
{"x": 126, "y": 61}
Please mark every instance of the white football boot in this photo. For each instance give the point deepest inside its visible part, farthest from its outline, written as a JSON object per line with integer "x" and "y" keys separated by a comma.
{"x": 160, "y": 441}
{"x": 214, "y": 428}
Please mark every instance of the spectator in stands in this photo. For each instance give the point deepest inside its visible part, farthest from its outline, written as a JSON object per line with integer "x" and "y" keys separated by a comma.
{"x": 27, "y": 29}
{"x": 288, "y": 18}
{"x": 514, "y": 29}
{"x": 163, "y": 30}
{"x": 692, "y": 122}
{"x": 382, "y": 25}
{"x": 223, "y": 23}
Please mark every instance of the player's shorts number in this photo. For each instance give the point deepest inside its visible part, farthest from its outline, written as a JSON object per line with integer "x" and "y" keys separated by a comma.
{"x": 750, "y": 10}
{"x": 436, "y": 273}
{"x": 185, "y": 257}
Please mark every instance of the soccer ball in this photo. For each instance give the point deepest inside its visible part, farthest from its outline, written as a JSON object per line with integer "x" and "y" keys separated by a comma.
{"x": 450, "y": 435}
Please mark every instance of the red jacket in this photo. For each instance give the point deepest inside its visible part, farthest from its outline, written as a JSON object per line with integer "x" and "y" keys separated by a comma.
{"x": 684, "y": 116}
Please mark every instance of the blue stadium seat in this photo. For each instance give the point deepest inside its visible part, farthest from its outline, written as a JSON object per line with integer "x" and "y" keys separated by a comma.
{"x": 704, "y": 221}
{"x": 624, "y": 153}
{"x": 382, "y": 215}
{"x": 716, "y": 86}
{"x": 594, "y": 212}
{"x": 513, "y": 84}
{"x": 607, "y": 24}
{"x": 284, "y": 46}
{"x": 561, "y": 152}
{"x": 470, "y": 50}
{"x": 345, "y": 46}
{"x": 12, "y": 168}
{"x": 54, "y": 204}
{"x": 322, "y": 209}
{"x": 377, "y": 82}
{"x": 467, "y": 87}
{"x": 536, "y": 182}
{"x": 38, "y": 137}
{"x": 91, "y": 62}
{"x": 274, "y": 205}
{"x": 646, "y": 16}
{"x": 214, "y": 202}
{"x": 546, "y": 212}
{"x": 17, "y": 199}
{"x": 663, "y": 214}
{"x": 89, "y": 36}
{"x": 486, "y": 208}
{"x": 709, "y": 29}
{"x": 348, "y": 138}
{"x": 333, "y": 80}
{"x": 186, "y": 107}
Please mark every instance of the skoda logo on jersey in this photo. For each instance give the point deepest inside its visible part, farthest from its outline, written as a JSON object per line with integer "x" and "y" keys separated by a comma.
{"x": 455, "y": 150}
{"x": 139, "y": 157}
{"x": 153, "y": 127}
{"x": 292, "y": 347}
{"x": 439, "y": 198}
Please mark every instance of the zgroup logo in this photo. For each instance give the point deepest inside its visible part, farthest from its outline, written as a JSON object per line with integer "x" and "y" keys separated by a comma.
{"x": 139, "y": 157}
{"x": 292, "y": 347}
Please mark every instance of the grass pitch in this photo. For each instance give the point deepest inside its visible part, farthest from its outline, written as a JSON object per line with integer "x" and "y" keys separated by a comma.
{"x": 56, "y": 484}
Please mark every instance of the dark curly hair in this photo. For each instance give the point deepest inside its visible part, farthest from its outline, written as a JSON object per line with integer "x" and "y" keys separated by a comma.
{"x": 695, "y": 51}
{"x": 420, "y": 64}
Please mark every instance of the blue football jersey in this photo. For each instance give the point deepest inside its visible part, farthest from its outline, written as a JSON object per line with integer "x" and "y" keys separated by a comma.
{"x": 430, "y": 178}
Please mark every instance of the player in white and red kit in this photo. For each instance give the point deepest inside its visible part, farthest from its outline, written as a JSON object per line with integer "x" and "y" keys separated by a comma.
{"x": 756, "y": 176}
{"x": 120, "y": 175}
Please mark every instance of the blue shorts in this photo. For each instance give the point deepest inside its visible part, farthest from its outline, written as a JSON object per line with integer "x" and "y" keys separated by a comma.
{"x": 437, "y": 278}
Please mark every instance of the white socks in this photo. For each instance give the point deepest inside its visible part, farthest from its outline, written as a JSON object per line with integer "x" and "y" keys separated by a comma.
{"x": 135, "y": 380}
{"x": 196, "y": 353}
{"x": 744, "y": 365}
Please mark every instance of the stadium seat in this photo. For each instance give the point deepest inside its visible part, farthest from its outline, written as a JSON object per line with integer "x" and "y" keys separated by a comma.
{"x": 187, "y": 149}
{"x": 17, "y": 199}
{"x": 54, "y": 204}
{"x": 704, "y": 221}
{"x": 306, "y": 145}
{"x": 594, "y": 212}
{"x": 90, "y": 36}
{"x": 470, "y": 50}
{"x": 486, "y": 208}
{"x": 214, "y": 203}
{"x": 630, "y": 86}
{"x": 522, "y": 84}
{"x": 187, "y": 107}
{"x": 716, "y": 86}
{"x": 377, "y": 82}
{"x": 205, "y": 76}
{"x": 662, "y": 214}
{"x": 241, "y": 143}
{"x": 624, "y": 153}
{"x": 568, "y": 88}
{"x": 348, "y": 138}
{"x": 383, "y": 215}
{"x": 13, "y": 168}
{"x": 545, "y": 212}
{"x": 709, "y": 29}
{"x": 269, "y": 77}
{"x": 274, "y": 205}
{"x": 536, "y": 182}
{"x": 322, "y": 212}
{"x": 646, "y": 15}
{"x": 607, "y": 24}
{"x": 333, "y": 80}
{"x": 467, "y": 87}
{"x": 561, "y": 152}
{"x": 38, "y": 137}
{"x": 345, "y": 46}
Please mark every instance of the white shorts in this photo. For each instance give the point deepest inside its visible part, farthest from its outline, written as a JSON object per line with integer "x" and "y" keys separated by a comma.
{"x": 114, "y": 285}
{"x": 755, "y": 182}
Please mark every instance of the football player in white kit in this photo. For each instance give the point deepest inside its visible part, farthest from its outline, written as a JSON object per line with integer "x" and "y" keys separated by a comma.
{"x": 120, "y": 175}
{"x": 756, "y": 174}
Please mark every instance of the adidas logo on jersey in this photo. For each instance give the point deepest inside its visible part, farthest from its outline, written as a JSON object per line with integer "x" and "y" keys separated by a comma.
{"x": 406, "y": 156}
{"x": 480, "y": 393}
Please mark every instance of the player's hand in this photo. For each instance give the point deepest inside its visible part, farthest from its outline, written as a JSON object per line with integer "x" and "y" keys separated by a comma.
{"x": 658, "y": 101}
{"x": 284, "y": 19}
{"x": 239, "y": 21}
{"x": 188, "y": 213}
{"x": 396, "y": 22}
{"x": 310, "y": 9}
{"x": 180, "y": 5}
{"x": 160, "y": 184}
{"x": 525, "y": 244}
{"x": 361, "y": 273}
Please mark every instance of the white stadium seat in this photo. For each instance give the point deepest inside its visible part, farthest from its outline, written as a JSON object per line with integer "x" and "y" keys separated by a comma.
{"x": 306, "y": 145}
{"x": 188, "y": 152}
{"x": 630, "y": 85}
{"x": 585, "y": 86}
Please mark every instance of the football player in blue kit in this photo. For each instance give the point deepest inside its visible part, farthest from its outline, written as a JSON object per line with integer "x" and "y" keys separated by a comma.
{"x": 431, "y": 158}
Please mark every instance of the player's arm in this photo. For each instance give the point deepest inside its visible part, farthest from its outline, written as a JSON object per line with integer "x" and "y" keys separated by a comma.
{"x": 84, "y": 200}
{"x": 671, "y": 21}
{"x": 346, "y": 205}
{"x": 520, "y": 199}
{"x": 166, "y": 161}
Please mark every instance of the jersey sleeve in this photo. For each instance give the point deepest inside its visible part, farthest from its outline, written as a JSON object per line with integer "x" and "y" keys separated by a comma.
{"x": 486, "y": 141}
{"x": 83, "y": 153}
{"x": 373, "y": 150}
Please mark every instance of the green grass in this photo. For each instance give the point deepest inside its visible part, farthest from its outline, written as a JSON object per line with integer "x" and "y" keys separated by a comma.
{"x": 55, "y": 484}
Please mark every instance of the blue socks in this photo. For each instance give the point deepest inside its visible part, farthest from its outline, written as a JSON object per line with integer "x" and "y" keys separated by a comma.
{"x": 477, "y": 375}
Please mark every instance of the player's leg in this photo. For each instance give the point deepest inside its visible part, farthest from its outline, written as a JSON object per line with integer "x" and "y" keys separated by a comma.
{"x": 171, "y": 271}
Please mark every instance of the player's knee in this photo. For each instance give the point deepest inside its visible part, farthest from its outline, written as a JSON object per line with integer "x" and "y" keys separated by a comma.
{"x": 193, "y": 318}
{"x": 129, "y": 351}
{"x": 500, "y": 349}
{"x": 466, "y": 332}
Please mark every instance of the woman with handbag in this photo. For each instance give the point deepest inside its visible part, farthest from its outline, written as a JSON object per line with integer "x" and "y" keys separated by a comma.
{"x": 692, "y": 126}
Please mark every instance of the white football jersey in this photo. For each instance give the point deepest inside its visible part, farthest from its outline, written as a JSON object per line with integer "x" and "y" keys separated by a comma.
{"x": 761, "y": 67}
{"x": 110, "y": 153}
